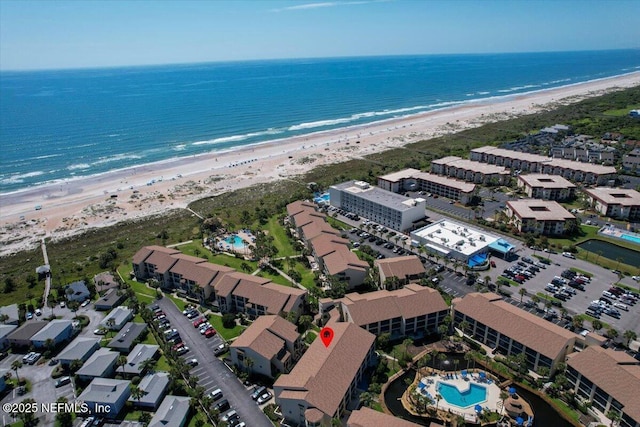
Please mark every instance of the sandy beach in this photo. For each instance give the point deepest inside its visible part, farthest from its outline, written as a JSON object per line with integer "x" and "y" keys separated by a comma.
{"x": 73, "y": 206}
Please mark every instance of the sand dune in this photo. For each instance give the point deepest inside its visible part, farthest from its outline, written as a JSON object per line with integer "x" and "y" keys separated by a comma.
{"x": 75, "y": 205}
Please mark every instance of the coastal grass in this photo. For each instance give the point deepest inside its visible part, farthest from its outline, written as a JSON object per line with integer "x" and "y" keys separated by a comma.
{"x": 78, "y": 257}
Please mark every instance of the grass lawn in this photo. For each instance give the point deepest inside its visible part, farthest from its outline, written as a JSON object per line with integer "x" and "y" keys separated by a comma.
{"x": 193, "y": 422}
{"x": 227, "y": 334}
{"x": 629, "y": 288}
{"x": 275, "y": 278}
{"x": 280, "y": 238}
{"x": 233, "y": 262}
{"x": 133, "y": 415}
{"x": 141, "y": 289}
{"x": 178, "y": 302}
{"x": 163, "y": 365}
{"x": 544, "y": 298}
{"x": 150, "y": 339}
{"x": 308, "y": 279}
{"x": 583, "y": 272}
{"x": 376, "y": 406}
{"x": 310, "y": 337}
{"x": 562, "y": 407}
{"x": 621, "y": 112}
{"x": 336, "y": 223}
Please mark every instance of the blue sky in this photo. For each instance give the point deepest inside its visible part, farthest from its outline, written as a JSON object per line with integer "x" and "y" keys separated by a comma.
{"x": 71, "y": 34}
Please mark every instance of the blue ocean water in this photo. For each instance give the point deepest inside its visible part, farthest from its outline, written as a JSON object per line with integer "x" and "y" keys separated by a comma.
{"x": 60, "y": 124}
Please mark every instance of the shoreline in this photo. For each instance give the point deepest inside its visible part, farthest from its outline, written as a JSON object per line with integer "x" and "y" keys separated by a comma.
{"x": 71, "y": 206}
{"x": 496, "y": 99}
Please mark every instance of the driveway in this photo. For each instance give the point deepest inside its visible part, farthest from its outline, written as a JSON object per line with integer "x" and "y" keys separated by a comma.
{"x": 211, "y": 371}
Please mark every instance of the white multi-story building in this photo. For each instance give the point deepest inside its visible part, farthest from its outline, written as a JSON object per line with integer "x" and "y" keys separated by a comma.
{"x": 620, "y": 203}
{"x": 392, "y": 210}
{"x": 547, "y": 187}
{"x": 415, "y": 180}
{"x": 540, "y": 216}
{"x": 470, "y": 171}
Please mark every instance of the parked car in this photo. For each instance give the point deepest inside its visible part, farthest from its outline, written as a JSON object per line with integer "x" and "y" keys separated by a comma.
{"x": 621, "y": 306}
{"x": 223, "y": 405}
{"x": 216, "y": 394}
{"x": 264, "y": 397}
{"x": 63, "y": 381}
{"x": 568, "y": 255}
{"x": 258, "y": 391}
{"x": 209, "y": 333}
{"x": 192, "y": 362}
{"x": 220, "y": 349}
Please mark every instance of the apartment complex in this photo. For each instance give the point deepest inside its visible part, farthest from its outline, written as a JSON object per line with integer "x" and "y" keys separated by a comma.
{"x": 415, "y": 180}
{"x": 619, "y": 203}
{"x": 400, "y": 271}
{"x": 229, "y": 289}
{"x": 547, "y": 187}
{"x": 588, "y": 173}
{"x": 466, "y": 170}
{"x": 544, "y": 217}
{"x": 411, "y": 311}
{"x": 392, "y": 210}
{"x": 330, "y": 251}
{"x": 324, "y": 381}
{"x": 609, "y": 379}
{"x": 270, "y": 346}
{"x": 582, "y": 148}
{"x": 631, "y": 161}
{"x": 450, "y": 239}
{"x": 498, "y": 324}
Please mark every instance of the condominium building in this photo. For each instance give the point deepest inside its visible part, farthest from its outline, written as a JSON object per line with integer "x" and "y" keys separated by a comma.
{"x": 270, "y": 346}
{"x": 619, "y": 203}
{"x": 459, "y": 241}
{"x": 588, "y": 173}
{"x": 325, "y": 379}
{"x": 399, "y": 271}
{"x": 511, "y": 330}
{"x": 544, "y": 217}
{"x": 411, "y": 311}
{"x": 470, "y": 171}
{"x": 547, "y": 187}
{"x": 631, "y": 161}
{"x": 392, "y": 210}
{"x": 609, "y": 379}
{"x": 415, "y": 180}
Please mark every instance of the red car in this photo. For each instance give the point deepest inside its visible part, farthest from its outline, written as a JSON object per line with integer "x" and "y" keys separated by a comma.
{"x": 177, "y": 346}
{"x": 493, "y": 264}
{"x": 210, "y": 332}
{"x": 198, "y": 322}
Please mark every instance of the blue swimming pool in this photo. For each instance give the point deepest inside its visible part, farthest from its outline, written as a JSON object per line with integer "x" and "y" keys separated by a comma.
{"x": 474, "y": 395}
{"x": 235, "y": 241}
{"x": 321, "y": 198}
{"x": 630, "y": 238}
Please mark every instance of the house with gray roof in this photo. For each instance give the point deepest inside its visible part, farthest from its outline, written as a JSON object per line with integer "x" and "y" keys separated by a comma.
{"x": 120, "y": 315}
{"x": 12, "y": 313}
{"x": 138, "y": 355}
{"x": 80, "y": 348}
{"x": 112, "y": 298}
{"x": 173, "y": 412}
{"x": 21, "y": 337}
{"x": 5, "y": 330}
{"x": 155, "y": 386}
{"x": 77, "y": 291}
{"x": 127, "y": 337}
{"x": 106, "y": 393}
{"x": 58, "y": 331}
{"x": 101, "y": 364}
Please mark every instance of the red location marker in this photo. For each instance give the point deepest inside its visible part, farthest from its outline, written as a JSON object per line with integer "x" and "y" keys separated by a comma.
{"x": 326, "y": 335}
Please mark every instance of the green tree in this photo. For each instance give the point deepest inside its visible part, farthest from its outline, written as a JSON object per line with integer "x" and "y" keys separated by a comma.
{"x": 503, "y": 396}
{"x": 28, "y": 417}
{"x": 15, "y": 365}
{"x": 629, "y": 336}
{"x": 228, "y": 320}
{"x": 145, "y": 418}
{"x": 596, "y": 325}
{"x": 64, "y": 418}
{"x": 383, "y": 342}
{"x": 522, "y": 292}
{"x": 612, "y": 333}
{"x": 122, "y": 362}
{"x": 148, "y": 365}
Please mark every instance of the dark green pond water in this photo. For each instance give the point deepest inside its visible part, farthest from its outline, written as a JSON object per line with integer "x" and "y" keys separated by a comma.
{"x": 611, "y": 251}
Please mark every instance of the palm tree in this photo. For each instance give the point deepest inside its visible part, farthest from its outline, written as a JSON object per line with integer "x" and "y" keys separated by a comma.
{"x": 3, "y": 318}
{"x": 137, "y": 393}
{"x": 612, "y": 333}
{"x": 503, "y": 396}
{"x": 535, "y": 299}
{"x": 464, "y": 325}
{"x": 442, "y": 357}
{"x": 438, "y": 397}
{"x": 614, "y": 416}
{"x": 17, "y": 364}
{"x": 596, "y": 325}
{"x": 522, "y": 292}
{"x": 148, "y": 365}
{"x": 122, "y": 361}
{"x": 52, "y": 304}
{"x": 629, "y": 336}
{"x": 468, "y": 356}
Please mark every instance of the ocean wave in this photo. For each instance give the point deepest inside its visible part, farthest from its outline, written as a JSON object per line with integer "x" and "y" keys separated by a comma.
{"x": 516, "y": 88}
{"x": 20, "y": 178}
{"x": 180, "y": 147}
{"x": 78, "y": 166}
{"x": 48, "y": 156}
{"x": 236, "y": 138}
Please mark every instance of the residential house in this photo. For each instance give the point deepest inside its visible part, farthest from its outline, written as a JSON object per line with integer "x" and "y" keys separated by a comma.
{"x": 136, "y": 359}
{"x": 77, "y": 291}
{"x": 101, "y": 364}
{"x": 609, "y": 380}
{"x": 105, "y": 281}
{"x": 80, "y": 349}
{"x": 5, "y": 330}
{"x": 12, "y": 313}
{"x": 154, "y": 387}
{"x": 410, "y": 311}
{"x": 173, "y": 412}
{"x": 21, "y": 337}
{"x": 324, "y": 380}
{"x": 111, "y": 299}
{"x": 117, "y": 318}
{"x": 543, "y": 217}
{"x": 106, "y": 397}
{"x": 270, "y": 346}
{"x": 128, "y": 336}
{"x": 397, "y": 272}
{"x": 498, "y": 324}
{"x": 57, "y": 331}
{"x": 631, "y": 161}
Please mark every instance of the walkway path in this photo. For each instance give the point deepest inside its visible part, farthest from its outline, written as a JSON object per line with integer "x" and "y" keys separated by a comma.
{"x": 175, "y": 245}
{"x": 47, "y": 280}
{"x": 286, "y": 276}
{"x": 195, "y": 213}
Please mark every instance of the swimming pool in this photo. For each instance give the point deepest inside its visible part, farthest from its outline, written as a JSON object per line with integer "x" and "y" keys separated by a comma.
{"x": 235, "y": 241}
{"x": 630, "y": 238}
{"x": 321, "y": 198}
{"x": 474, "y": 395}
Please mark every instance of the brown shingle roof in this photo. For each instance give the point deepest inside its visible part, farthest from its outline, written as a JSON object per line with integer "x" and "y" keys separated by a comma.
{"x": 327, "y": 243}
{"x": 230, "y": 281}
{"x": 318, "y": 228}
{"x": 408, "y": 302}
{"x": 323, "y": 375}
{"x": 267, "y": 335}
{"x": 401, "y": 267}
{"x": 528, "y": 329}
{"x": 615, "y": 372}
{"x": 162, "y": 260}
{"x": 203, "y": 273}
{"x": 343, "y": 259}
{"x": 300, "y": 206}
{"x": 367, "y": 417}
{"x": 307, "y": 217}
{"x": 144, "y": 252}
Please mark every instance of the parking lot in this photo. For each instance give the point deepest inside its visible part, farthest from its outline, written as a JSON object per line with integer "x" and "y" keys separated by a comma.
{"x": 212, "y": 373}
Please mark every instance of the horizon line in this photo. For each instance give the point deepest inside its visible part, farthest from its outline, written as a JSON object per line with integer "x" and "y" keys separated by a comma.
{"x": 302, "y": 58}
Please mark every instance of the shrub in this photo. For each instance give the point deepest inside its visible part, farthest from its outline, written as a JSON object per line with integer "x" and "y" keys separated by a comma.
{"x": 228, "y": 320}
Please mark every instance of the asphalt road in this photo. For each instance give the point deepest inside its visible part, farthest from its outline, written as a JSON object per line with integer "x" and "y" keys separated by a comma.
{"x": 212, "y": 372}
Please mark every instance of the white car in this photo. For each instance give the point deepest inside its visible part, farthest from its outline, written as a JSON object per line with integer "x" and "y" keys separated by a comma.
{"x": 621, "y": 306}
{"x": 264, "y": 398}
{"x": 85, "y": 303}
{"x": 568, "y": 255}
{"x": 636, "y": 278}
{"x": 62, "y": 304}
{"x": 100, "y": 332}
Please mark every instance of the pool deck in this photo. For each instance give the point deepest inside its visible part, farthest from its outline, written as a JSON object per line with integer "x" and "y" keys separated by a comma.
{"x": 493, "y": 392}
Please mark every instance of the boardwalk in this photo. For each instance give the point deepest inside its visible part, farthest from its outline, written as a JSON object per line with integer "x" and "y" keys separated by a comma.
{"x": 47, "y": 280}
